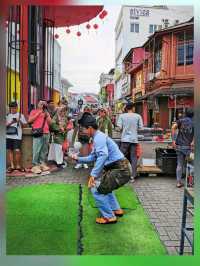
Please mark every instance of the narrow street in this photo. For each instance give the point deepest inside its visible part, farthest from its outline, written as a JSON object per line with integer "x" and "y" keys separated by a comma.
{"x": 99, "y": 124}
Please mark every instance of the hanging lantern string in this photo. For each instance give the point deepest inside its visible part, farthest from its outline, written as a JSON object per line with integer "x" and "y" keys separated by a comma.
{"x": 96, "y": 26}
{"x": 78, "y": 32}
{"x": 88, "y": 26}
{"x": 68, "y": 30}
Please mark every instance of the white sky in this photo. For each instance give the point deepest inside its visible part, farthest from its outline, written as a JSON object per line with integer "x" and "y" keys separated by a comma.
{"x": 84, "y": 58}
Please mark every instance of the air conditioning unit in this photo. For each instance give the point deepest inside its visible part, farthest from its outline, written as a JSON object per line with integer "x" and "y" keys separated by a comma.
{"x": 151, "y": 76}
{"x": 157, "y": 74}
{"x": 176, "y": 21}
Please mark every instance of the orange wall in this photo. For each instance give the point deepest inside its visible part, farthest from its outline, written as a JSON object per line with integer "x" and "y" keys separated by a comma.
{"x": 170, "y": 69}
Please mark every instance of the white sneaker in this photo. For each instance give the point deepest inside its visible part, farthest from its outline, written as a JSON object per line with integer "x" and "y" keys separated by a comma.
{"x": 132, "y": 179}
{"x": 78, "y": 166}
{"x": 64, "y": 165}
{"x": 85, "y": 166}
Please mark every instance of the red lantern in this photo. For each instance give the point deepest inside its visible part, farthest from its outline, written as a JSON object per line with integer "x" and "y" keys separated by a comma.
{"x": 104, "y": 13}
{"x": 101, "y": 16}
{"x": 68, "y": 31}
{"x": 95, "y": 26}
{"x": 78, "y": 33}
{"x": 88, "y": 26}
{"x": 56, "y": 36}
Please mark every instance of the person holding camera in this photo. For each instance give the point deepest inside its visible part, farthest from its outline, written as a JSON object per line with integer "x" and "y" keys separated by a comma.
{"x": 40, "y": 120}
{"x": 59, "y": 129}
{"x": 14, "y": 123}
{"x": 111, "y": 170}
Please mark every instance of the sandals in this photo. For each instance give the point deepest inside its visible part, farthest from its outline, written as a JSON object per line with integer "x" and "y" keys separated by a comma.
{"x": 104, "y": 220}
{"x": 10, "y": 170}
{"x": 119, "y": 213}
{"x": 20, "y": 169}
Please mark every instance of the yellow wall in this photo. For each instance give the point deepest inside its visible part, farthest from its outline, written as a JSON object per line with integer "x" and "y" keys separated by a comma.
{"x": 11, "y": 93}
{"x": 56, "y": 96}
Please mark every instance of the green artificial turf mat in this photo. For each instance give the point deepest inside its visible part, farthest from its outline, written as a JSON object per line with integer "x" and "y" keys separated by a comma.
{"x": 133, "y": 234}
{"x": 42, "y": 220}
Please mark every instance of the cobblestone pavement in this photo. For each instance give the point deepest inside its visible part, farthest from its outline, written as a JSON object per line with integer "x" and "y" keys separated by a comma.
{"x": 161, "y": 200}
{"x": 67, "y": 175}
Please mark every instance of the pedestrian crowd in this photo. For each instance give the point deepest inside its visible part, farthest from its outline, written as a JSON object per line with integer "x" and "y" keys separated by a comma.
{"x": 54, "y": 132}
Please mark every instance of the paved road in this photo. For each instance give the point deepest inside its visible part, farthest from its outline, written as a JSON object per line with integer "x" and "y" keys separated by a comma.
{"x": 163, "y": 202}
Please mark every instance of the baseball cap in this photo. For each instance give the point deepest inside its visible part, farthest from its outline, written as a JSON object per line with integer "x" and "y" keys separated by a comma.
{"x": 87, "y": 120}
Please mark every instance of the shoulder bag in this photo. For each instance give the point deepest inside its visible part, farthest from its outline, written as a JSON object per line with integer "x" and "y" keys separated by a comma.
{"x": 11, "y": 130}
{"x": 38, "y": 132}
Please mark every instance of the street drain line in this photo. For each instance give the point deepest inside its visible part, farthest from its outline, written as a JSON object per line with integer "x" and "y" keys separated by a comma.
{"x": 80, "y": 217}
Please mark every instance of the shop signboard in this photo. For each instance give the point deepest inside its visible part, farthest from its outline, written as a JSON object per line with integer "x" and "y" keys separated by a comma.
{"x": 139, "y": 12}
{"x": 180, "y": 102}
{"x": 125, "y": 85}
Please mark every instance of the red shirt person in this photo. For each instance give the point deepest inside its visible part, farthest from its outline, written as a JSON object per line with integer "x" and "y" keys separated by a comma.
{"x": 40, "y": 118}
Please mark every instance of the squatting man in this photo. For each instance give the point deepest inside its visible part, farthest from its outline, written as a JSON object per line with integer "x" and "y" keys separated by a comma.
{"x": 110, "y": 165}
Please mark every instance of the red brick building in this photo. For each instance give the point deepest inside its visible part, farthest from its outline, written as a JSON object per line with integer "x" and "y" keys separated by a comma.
{"x": 168, "y": 74}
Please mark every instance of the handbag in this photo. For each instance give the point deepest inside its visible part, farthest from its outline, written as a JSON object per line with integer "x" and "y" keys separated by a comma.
{"x": 10, "y": 130}
{"x": 38, "y": 132}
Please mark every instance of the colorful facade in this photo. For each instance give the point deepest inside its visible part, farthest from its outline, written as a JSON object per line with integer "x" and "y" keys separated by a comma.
{"x": 169, "y": 73}
{"x": 34, "y": 48}
{"x": 13, "y": 82}
{"x": 162, "y": 75}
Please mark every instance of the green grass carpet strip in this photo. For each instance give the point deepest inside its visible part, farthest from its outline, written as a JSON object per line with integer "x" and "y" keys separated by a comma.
{"x": 132, "y": 235}
{"x": 42, "y": 220}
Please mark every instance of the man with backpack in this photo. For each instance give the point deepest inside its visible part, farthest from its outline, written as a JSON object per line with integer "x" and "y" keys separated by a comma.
{"x": 183, "y": 142}
{"x": 111, "y": 170}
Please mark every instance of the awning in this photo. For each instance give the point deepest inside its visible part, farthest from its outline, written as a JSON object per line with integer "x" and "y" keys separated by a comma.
{"x": 69, "y": 15}
{"x": 72, "y": 14}
{"x": 162, "y": 92}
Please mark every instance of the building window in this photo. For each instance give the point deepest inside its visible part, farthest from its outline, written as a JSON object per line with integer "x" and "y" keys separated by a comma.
{"x": 152, "y": 28}
{"x": 166, "y": 23}
{"x": 135, "y": 27}
{"x": 158, "y": 57}
{"x": 185, "y": 47}
{"x": 180, "y": 53}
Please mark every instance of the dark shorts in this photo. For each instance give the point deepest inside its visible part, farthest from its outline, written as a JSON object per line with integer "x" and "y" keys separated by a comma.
{"x": 13, "y": 144}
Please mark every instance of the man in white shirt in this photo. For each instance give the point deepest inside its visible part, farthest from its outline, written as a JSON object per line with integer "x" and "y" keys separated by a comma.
{"x": 14, "y": 121}
{"x": 129, "y": 123}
